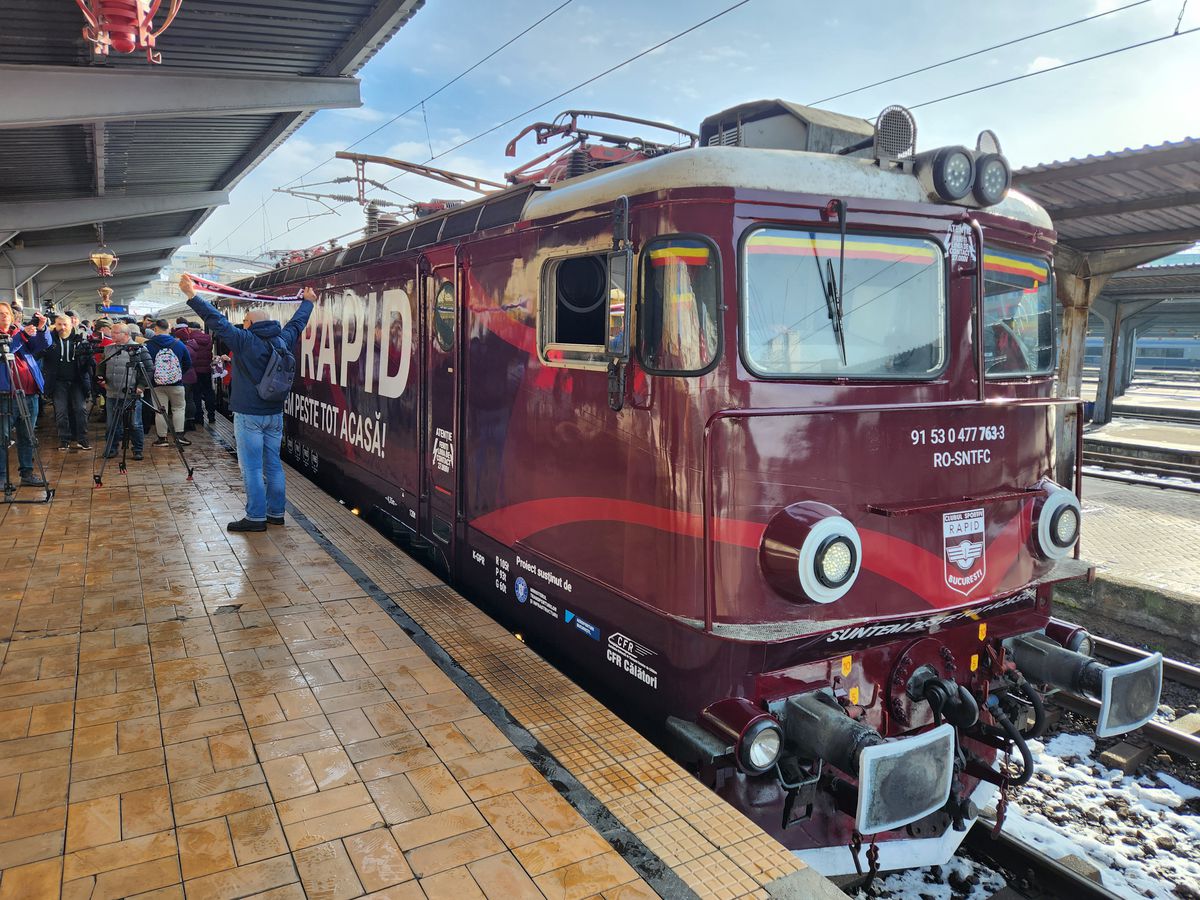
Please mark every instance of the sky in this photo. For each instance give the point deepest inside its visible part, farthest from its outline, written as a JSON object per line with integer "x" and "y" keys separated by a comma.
{"x": 791, "y": 49}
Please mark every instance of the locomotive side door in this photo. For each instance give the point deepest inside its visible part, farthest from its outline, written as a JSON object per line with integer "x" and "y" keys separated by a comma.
{"x": 439, "y": 413}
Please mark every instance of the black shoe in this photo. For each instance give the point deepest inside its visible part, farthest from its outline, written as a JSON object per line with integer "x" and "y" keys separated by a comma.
{"x": 32, "y": 480}
{"x": 137, "y": 454}
{"x": 161, "y": 442}
{"x": 111, "y": 454}
{"x": 64, "y": 446}
{"x": 246, "y": 525}
{"x": 83, "y": 445}
{"x": 274, "y": 520}
{"x": 212, "y": 419}
{"x": 183, "y": 441}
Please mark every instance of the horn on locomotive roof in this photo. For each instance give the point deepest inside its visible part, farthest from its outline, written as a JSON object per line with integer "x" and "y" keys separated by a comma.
{"x": 577, "y": 156}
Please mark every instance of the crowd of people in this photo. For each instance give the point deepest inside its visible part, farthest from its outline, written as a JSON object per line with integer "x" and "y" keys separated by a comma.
{"x": 117, "y": 365}
{"x": 123, "y": 365}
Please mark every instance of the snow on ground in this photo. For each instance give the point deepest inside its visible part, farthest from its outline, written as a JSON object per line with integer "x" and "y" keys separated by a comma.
{"x": 959, "y": 879}
{"x": 1136, "y": 830}
{"x": 1133, "y": 828}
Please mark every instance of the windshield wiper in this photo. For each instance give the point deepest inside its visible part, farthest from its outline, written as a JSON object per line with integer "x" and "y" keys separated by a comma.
{"x": 832, "y": 284}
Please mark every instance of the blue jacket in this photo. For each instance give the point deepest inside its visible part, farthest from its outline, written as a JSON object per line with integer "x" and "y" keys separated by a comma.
{"x": 174, "y": 344}
{"x": 24, "y": 347}
{"x": 251, "y": 352}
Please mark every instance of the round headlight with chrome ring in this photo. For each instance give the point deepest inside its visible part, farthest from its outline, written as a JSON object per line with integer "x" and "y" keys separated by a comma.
{"x": 760, "y": 745}
{"x": 1058, "y": 522}
{"x": 993, "y": 178}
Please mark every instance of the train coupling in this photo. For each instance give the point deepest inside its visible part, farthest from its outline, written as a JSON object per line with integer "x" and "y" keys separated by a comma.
{"x": 1128, "y": 694}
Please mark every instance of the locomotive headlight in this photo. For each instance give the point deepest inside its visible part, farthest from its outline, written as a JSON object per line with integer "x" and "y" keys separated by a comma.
{"x": 1058, "y": 523}
{"x": 1064, "y": 526}
{"x": 835, "y": 561}
{"x": 760, "y": 746}
{"x": 810, "y": 551}
{"x": 992, "y": 179}
{"x": 829, "y": 559}
{"x": 948, "y": 172}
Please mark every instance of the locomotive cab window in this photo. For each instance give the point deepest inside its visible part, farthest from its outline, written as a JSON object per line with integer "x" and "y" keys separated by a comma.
{"x": 680, "y": 303}
{"x": 810, "y": 309}
{"x": 1018, "y": 315}
{"x": 574, "y": 322}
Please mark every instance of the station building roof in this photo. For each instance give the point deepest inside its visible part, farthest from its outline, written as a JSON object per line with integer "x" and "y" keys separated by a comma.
{"x": 150, "y": 150}
{"x": 1145, "y": 197}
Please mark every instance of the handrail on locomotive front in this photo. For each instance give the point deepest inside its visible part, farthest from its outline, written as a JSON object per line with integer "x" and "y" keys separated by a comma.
{"x": 710, "y": 600}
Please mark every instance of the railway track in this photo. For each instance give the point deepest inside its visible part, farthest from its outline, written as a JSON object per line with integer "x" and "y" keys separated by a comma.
{"x": 1039, "y": 875}
{"x": 1133, "y": 469}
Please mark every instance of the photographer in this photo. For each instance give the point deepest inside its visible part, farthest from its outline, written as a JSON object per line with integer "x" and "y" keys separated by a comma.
{"x": 67, "y": 367}
{"x": 123, "y": 367}
{"x": 22, "y": 344}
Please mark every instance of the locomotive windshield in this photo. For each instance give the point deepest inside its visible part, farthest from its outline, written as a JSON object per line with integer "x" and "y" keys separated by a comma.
{"x": 893, "y": 320}
{"x": 1018, "y": 331}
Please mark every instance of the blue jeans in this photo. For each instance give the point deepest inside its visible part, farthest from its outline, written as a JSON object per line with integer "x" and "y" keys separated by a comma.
{"x": 258, "y": 439}
{"x": 115, "y": 427}
{"x": 9, "y": 420}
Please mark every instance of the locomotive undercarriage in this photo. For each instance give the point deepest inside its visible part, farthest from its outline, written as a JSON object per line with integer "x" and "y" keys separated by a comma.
{"x": 895, "y": 779}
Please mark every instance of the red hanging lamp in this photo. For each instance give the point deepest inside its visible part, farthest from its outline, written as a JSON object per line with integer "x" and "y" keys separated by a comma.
{"x": 125, "y": 25}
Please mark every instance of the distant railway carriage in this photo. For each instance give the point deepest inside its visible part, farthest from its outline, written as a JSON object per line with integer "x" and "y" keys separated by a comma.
{"x": 757, "y": 435}
{"x": 1181, "y": 354}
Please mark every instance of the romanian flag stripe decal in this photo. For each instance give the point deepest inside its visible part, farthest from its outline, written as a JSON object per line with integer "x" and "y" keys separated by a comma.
{"x": 1014, "y": 266}
{"x": 831, "y": 247}
{"x": 688, "y": 256}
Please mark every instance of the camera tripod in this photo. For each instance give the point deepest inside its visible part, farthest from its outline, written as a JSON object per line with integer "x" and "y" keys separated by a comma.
{"x": 136, "y": 371}
{"x": 18, "y": 401}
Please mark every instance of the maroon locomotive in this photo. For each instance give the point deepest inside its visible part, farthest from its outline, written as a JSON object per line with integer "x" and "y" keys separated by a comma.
{"x": 758, "y": 433}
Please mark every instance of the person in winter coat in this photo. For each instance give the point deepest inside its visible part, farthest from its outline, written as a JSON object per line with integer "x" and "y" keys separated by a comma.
{"x": 125, "y": 366}
{"x": 257, "y": 423}
{"x": 181, "y": 332}
{"x": 24, "y": 343}
{"x": 67, "y": 370}
{"x": 201, "y": 347}
{"x": 168, "y": 390}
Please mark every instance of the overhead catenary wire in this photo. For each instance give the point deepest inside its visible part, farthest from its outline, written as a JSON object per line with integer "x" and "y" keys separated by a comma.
{"x": 418, "y": 105}
{"x": 581, "y": 84}
{"x": 1065, "y": 65}
{"x": 973, "y": 53}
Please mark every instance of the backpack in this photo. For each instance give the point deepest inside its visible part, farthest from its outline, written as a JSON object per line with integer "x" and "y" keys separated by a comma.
{"x": 167, "y": 369}
{"x": 276, "y": 382}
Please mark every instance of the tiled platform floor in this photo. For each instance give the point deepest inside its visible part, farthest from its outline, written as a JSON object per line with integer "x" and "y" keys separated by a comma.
{"x": 185, "y": 712}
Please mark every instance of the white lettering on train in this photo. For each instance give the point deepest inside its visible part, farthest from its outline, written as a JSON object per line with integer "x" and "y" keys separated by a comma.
{"x": 342, "y": 329}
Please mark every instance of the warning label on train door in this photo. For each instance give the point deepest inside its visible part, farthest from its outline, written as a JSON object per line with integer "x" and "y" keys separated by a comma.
{"x": 627, "y": 654}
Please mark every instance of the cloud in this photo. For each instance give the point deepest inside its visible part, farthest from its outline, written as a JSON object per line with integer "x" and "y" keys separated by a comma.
{"x": 1043, "y": 62}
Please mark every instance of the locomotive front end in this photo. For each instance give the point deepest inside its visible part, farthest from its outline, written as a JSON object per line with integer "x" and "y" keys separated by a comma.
{"x": 896, "y": 439}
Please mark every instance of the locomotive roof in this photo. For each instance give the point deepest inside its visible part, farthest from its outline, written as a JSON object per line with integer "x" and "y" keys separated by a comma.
{"x": 781, "y": 171}
{"x": 784, "y": 171}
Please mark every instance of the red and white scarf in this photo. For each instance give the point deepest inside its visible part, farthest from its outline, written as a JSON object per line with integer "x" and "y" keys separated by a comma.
{"x": 224, "y": 290}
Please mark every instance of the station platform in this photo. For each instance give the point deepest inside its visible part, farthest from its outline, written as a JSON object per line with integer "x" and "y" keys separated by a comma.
{"x": 308, "y": 712}
{"x": 1142, "y": 540}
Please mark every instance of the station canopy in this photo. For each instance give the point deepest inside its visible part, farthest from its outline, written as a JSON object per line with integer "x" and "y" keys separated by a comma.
{"x": 1121, "y": 209}
{"x": 147, "y": 152}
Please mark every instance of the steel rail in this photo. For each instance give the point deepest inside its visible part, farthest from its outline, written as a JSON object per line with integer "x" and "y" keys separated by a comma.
{"x": 1050, "y": 877}
{"x": 1163, "y": 736}
{"x": 1173, "y": 670}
